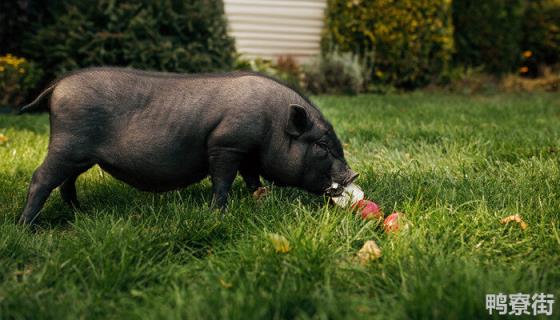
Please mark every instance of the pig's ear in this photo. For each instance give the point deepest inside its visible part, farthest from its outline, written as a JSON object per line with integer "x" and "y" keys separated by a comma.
{"x": 298, "y": 121}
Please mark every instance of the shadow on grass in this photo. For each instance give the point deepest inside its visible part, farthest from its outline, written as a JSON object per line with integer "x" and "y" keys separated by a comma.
{"x": 109, "y": 197}
{"x": 115, "y": 198}
{"x": 122, "y": 201}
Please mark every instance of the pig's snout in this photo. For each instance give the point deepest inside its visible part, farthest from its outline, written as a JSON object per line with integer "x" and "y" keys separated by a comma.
{"x": 350, "y": 177}
{"x": 336, "y": 188}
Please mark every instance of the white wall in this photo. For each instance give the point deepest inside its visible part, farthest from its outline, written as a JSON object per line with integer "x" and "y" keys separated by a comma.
{"x": 272, "y": 28}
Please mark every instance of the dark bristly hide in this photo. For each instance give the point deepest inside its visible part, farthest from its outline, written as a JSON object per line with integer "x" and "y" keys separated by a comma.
{"x": 163, "y": 131}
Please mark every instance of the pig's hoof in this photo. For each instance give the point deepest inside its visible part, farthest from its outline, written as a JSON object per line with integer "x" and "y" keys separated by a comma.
{"x": 260, "y": 193}
{"x": 74, "y": 205}
{"x": 23, "y": 221}
{"x": 218, "y": 210}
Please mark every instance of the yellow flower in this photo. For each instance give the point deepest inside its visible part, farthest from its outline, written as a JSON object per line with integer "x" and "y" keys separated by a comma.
{"x": 527, "y": 54}
{"x": 279, "y": 242}
{"x": 11, "y": 60}
{"x": 225, "y": 284}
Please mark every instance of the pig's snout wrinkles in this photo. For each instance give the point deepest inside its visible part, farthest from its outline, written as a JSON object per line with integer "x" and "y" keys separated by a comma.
{"x": 336, "y": 189}
{"x": 351, "y": 177}
{"x": 347, "y": 178}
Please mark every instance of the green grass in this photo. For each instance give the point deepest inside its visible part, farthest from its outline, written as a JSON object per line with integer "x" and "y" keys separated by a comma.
{"x": 455, "y": 165}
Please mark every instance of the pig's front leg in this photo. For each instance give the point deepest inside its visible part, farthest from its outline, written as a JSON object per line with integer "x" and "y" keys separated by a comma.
{"x": 250, "y": 173}
{"x": 224, "y": 163}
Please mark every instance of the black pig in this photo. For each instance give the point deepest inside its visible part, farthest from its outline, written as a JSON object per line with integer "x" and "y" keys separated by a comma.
{"x": 163, "y": 131}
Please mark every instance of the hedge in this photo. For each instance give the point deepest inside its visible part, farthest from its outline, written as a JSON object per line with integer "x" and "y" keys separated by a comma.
{"x": 541, "y": 31}
{"x": 488, "y": 33}
{"x": 182, "y": 36}
{"x": 18, "y": 18}
{"x": 404, "y": 43}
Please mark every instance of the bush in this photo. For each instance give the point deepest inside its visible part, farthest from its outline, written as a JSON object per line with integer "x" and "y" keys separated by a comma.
{"x": 334, "y": 73}
{"x": 17, "y": 18}
{"x": 289, "y": 71}
{"x": 404, "y": 43}
{"x": 182, "y": 36}
{"x": 18, "y": 77}
{"x": 541, "y": 35}
{"x": 488, "y": 33}
{"x": 284, "y": 69}
{"x": 13, "y": 19}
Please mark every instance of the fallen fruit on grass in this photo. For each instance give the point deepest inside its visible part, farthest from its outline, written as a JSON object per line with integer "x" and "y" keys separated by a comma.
{"x": 225, "y": 284}
{"x": 517, "y": 218}
{"x": 353, "y": 197}
{"x": 369, "y": 252}
{"x": 279, "y": 242}
{"x": 260, "y": 193}
{"x": 3, "y": 138}
{"x": 369, "y": 209}
{"x": 391, "y": 223}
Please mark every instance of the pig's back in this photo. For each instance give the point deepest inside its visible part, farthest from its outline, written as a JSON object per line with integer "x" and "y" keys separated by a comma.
{"x": 150, "y": 129}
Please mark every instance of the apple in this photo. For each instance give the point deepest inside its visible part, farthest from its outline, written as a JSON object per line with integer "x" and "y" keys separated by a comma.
{"x": 391, "y": 223}
{"x": 369, "y": 209}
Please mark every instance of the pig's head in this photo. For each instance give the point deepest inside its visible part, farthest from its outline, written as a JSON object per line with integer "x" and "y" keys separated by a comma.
{"x": 315, "y": 154}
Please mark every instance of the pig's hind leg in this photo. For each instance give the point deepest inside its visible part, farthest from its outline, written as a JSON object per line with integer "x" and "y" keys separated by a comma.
{"x": 54, "y": 170}
{"x": 68, "y": 189}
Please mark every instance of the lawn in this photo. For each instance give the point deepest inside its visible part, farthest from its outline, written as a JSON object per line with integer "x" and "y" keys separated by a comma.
{"x": 455, "y": 165}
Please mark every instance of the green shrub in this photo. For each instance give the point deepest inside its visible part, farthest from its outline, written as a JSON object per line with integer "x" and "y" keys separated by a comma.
{"x": 182, "y": 36}
{"x": 264, "y": 66}
{"x": 284, "y": 69}
{"x": 18, "y": 18}
{"x": 404, "y": 43}
{"x": 289, "y": 71}
{"x": 18, "y": 77}
{"x": 334, "y": 73}
{"x": 541, "y": 31}
{"x": 488, "y": 33}
{"x": 13, "y": 19}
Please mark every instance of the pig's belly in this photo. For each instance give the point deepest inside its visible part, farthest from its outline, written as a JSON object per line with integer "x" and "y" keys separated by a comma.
{"x": 156, "y": 169}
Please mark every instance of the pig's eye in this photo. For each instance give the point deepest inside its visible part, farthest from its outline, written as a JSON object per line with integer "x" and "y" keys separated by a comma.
{"x": 320, "y": 149}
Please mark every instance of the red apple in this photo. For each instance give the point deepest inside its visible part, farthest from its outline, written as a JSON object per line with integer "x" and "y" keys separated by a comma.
{"x": 391, "y": 223}
{"x": 369, "y": 210}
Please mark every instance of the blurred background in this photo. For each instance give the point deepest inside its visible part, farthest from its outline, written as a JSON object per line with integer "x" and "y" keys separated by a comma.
{"x": 318, "y": 46}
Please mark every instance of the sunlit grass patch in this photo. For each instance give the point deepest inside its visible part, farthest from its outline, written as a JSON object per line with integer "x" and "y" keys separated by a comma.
{"x": 454, "y": 165}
